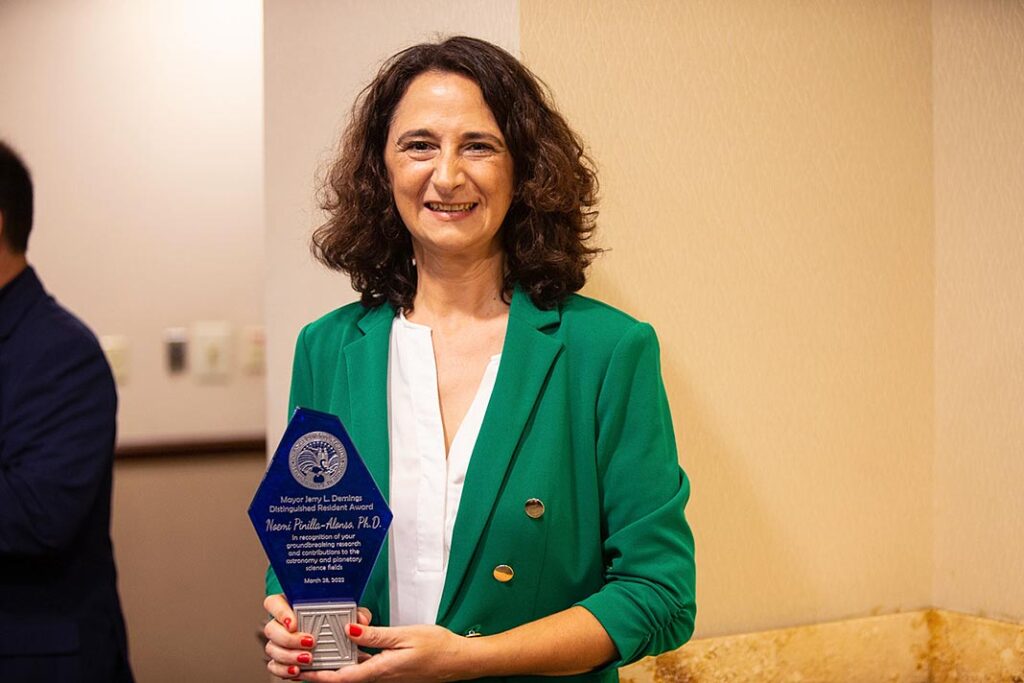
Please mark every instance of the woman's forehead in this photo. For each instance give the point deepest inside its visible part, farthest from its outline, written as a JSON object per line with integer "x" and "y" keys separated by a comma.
{"x": 442, "y": 102}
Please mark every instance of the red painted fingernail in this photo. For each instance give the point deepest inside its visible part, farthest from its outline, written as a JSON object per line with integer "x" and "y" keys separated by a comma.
{"x": 287, "y": 624}
{"x": 307, "y": 641}
{"x": 292, "y": 670}
{"x": 305, "y": 658}
{"x": 355, "y": 630}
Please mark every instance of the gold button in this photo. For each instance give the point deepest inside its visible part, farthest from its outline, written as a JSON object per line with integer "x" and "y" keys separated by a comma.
{"x": 535, "y": 508}
{"x": 503, "y": 573}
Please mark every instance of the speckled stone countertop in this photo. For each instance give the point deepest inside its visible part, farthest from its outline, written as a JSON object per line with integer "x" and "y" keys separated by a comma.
{"x": 929, "y": 646}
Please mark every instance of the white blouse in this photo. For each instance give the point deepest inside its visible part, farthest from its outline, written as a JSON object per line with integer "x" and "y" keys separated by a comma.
{"x": 425, "y": 486}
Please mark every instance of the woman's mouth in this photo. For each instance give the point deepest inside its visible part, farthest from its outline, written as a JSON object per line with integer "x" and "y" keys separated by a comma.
{"x": 451, "y": 208}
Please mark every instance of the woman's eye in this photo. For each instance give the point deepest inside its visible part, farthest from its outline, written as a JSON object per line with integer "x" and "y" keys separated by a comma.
{"x": 418, "y": 147}
{"x": 480, "y": 148}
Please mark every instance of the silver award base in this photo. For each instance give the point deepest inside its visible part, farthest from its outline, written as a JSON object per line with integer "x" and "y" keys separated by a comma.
{"x": 326, "y": 622}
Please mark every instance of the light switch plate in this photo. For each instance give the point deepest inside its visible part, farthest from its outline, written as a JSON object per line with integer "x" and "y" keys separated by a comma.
{"x": 253, "y": 349}
{"x": 115, "y": 347}
{"x": 211, "y": 351}
{"x": 176, "y": 349}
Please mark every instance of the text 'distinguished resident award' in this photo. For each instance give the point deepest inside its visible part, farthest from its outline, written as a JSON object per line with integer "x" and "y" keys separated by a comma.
{"x": 322, "y": 522}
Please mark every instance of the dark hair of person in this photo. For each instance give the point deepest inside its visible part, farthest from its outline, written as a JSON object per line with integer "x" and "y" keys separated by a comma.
{"x": 549, "y": 222}
{"x": 15, "y": 199}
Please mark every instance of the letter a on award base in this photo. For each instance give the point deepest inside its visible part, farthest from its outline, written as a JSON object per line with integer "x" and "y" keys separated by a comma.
{"x": 326, "y": 621}
{"x": 322, "y": 522}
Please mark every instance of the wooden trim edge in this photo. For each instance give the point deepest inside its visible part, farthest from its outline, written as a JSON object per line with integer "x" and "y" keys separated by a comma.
{"x": 190, "y": 447}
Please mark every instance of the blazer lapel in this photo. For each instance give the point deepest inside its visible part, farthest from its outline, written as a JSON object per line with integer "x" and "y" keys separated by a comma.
{"x": 526, "y": 359}
{"x": 366, "y": 363}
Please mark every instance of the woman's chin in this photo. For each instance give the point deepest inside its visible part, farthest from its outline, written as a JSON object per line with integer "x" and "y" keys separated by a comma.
{"x": 457, "y": 251}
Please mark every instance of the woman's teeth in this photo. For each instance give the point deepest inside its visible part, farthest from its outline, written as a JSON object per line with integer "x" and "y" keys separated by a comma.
{"x": 434, "y": 206}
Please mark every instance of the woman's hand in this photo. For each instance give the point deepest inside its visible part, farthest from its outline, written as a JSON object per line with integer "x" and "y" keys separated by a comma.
{"x": 568, "y": 642}
{"x": 408, "y": 653}
{"x": 287, "y": 648}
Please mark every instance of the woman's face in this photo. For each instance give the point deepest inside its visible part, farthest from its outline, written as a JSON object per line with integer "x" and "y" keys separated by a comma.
{"x": 450, "y": 171}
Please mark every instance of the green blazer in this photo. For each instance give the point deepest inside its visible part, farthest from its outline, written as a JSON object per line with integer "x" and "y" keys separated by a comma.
{"x": 578, "y": 419}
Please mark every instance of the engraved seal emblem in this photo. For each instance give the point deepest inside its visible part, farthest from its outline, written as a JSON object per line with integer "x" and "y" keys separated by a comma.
{"x": 318, "y": 460}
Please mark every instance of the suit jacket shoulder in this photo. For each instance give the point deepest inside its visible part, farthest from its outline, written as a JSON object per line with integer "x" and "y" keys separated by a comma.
{"x": 600, "y": 324}
{"x": 57, "y": 334}
{"x": 342, "y": 326}
{"x": 597, "y": 337}
{"x": 46, "y": 340}
{"x": 333, "y": 328}
{"x": 318, "y": 363}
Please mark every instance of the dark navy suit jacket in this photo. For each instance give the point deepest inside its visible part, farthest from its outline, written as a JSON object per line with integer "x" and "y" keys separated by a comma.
{"x": 60, "y": 618}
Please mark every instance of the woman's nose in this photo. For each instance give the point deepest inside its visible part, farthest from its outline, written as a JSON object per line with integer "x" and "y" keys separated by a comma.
{"x": 448, "y": 173}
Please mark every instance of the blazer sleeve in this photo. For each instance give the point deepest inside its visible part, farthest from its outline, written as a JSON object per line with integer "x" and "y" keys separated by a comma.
{"x": 647, "y": 604}
{"x": 59, "y": 450}
{"x": 299, "y": 395}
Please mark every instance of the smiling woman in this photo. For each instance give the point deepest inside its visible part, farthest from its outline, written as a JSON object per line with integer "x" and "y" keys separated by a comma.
{"x": 554, "y": 187}
{"x": 450, "y": 170}
{"x": 521, "y": 430}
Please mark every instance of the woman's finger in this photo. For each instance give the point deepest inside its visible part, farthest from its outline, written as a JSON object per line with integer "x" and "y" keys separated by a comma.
{"x": 277, "y": 606}
{"x": 287, "y": 656}
{"x": 380, "y": 637}
{"x": 289, "y": 672}
{"x": 364, "y": 616}
{"x": 277, "y": 634}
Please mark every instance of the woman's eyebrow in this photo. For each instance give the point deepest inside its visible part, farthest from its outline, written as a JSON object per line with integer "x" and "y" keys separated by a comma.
{"x": 418, "y": 133}
{"x": 473, "y": 136}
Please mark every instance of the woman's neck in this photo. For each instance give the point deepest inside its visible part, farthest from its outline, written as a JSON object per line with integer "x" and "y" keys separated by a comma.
{"x": 453, "y": 290}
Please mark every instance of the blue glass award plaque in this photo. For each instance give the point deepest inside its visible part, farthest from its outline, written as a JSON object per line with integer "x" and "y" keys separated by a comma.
{"x": 322, "y": 522}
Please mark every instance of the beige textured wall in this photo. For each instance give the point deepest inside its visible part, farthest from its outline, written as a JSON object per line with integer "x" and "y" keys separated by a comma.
{"x": 141, "y": 121}
{"x": 318, "y": 55}
{"x": 979, "y": 306}
{"x": 767, "y": 182}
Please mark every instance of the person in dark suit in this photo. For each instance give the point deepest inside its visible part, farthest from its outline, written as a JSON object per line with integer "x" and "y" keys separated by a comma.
{"x": 60, "y": 617}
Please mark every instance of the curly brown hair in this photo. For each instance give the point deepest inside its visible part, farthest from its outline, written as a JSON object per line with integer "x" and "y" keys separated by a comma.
{"x": 552, "y": 216}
